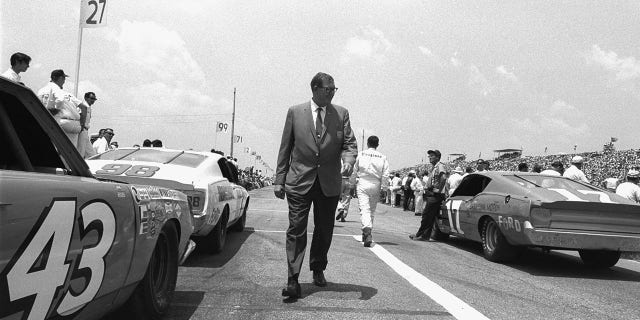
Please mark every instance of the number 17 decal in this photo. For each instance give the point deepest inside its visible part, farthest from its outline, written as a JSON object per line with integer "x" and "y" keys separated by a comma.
{"x": 454, "y": 215}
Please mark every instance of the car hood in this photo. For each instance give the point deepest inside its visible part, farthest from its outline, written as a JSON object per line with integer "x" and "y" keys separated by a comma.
{"x": 165, "y": 175}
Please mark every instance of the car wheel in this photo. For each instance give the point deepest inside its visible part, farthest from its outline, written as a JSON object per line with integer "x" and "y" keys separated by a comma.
{"x": 152, "y": 297}
{"x": 239, "y": 225}
{"x": 599, "y": 258}
{"x": 216, "y": 239}
{"x": 495, "y": 245}
{"x": 437, "y": 234}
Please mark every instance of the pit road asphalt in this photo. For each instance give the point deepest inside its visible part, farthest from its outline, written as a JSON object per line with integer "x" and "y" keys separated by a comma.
{"x": 396, "y": 279}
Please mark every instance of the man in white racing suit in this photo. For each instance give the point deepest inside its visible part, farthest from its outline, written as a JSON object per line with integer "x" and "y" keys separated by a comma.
{"x": 371, "y": 169}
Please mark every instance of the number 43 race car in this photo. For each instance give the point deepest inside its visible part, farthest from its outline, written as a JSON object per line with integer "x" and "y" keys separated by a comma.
{"x": 508, "y": 211}
{"x": 71, "y": 245}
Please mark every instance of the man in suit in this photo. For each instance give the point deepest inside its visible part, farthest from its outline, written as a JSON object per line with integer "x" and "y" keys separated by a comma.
{"x": 316, "y": 136}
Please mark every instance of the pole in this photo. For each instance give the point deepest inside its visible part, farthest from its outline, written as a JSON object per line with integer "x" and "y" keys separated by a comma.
{"x": 233, "y": 121}
{"x": 362, "y": 139}
{"x": 77, "y": 80}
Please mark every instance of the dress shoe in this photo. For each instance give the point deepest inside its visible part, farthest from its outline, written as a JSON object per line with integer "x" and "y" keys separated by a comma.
{"x": 339, "y": 216}
{"x": 318, "y": 279}
{"x": 292, "y": 290}
{"x": 418, "y": 214}
{"x": 342, "y": 219}
{"x": 416, "y": 238}
{"x": 366, "y": 237}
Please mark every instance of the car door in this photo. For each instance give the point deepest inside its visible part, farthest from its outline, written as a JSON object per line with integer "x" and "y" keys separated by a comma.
{"x": 461, "y": 209}
{"x": 63, "y": 234}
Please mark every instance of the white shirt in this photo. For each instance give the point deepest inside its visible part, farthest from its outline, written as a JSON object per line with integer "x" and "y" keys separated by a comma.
{"x": 314, "y": 112}
{"x": 629, "y": 190}
{"x": 453, "y": 182}
{"x": 416, "y": 185}
{"x": 87, "y": 122}
{"x": 101, "y": 145}
{"x": 550, "y": 172}
{"x": 53, "y": 97}
{"x": 575, "y": 174}
{"x": 395, "y": 183}
{"x": 371, "y": 167}
{"x": 11, "y": 75}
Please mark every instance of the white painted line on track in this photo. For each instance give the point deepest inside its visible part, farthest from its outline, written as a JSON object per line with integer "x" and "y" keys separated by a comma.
{"x": 455, "y": 306}
{"x": 308, "y": 233}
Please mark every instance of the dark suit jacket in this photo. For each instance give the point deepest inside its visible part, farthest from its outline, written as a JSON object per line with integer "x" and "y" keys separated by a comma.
{"x": 302, "y": 157}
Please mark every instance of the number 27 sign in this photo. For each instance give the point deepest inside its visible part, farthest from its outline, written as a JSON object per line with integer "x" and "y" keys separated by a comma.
{"x": 93, "y": 13}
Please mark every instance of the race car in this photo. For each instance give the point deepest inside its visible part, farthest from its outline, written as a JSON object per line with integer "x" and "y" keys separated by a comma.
{"x": 72, "y": 245}
{"x": 210, "y": 181}
{"x": 508, "y": 211}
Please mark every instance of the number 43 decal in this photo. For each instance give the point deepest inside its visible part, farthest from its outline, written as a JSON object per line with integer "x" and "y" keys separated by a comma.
{"x": 41, "y": 267}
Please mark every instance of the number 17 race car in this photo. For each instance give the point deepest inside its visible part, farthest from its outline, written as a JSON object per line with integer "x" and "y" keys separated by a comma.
{"x": 508, "y": 211}
{"x": 71, "y": 245}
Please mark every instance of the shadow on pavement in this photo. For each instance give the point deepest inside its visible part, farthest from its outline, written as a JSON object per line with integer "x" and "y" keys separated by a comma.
{"x": 386, "y": 243}
{"x": 366, "y": 293}
{"x": 199, "y": 258}
{"x": 184, "y": 304}
{"x": 537, "y": 262}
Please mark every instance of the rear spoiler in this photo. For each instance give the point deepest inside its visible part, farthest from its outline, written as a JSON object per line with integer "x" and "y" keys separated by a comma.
{"x": 592, "y": 206}
{"x": 170, "y": 184}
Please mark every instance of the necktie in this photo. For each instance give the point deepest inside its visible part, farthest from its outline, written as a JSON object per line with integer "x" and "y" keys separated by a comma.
{"x": 319, "y": 123}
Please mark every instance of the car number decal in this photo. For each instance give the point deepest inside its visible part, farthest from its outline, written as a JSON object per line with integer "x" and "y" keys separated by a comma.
{"x": 39, "y": 275}
{"x": 453, "y": 210}
{"x": 116, "y": 169}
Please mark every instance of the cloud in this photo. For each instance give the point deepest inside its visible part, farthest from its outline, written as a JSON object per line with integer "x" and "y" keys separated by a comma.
{"x": 503, "y": 72}
{"x": 369, "y": 44}
{"x": 624, "y": 72}
{"x": 155, "y": 49}
{"x": 554, "y": 120}
{"x": 432, "y": 56}
{"x": 478, "y": 82}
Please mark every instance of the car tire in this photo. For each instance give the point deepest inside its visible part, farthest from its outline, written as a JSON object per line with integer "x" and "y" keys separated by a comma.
{"x": 599, "y": 258}
{"x": 216, "y": 239}
{"x": 239, "y": 225}
{"x": 152, "y": 297}
{"x": 437, "y": 234}
{"x": 495, "y": 245}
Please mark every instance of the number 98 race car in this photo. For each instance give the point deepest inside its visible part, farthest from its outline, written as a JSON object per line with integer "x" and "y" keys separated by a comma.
{"x": 71, "y": 245}
{"x": 208, "y": 179}
{"x": 507, "y": 211}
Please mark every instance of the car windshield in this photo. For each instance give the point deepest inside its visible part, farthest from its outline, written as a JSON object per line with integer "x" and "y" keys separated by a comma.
{"x": 548, "y": 182}
{"x": 179, "y": 158}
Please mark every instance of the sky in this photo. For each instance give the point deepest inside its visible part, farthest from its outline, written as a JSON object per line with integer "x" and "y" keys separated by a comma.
{"x": 459, "y": 76}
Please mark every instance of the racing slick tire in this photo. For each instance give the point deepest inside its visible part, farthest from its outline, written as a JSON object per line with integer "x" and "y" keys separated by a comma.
{"x": 599, "y": 258}
{"x": 495, "y": 245}
{"x": 239, "y": 225}
{"x": 152, "y": 296}
{"x": 437, "y": 234}
{"x": 216, "y": 239}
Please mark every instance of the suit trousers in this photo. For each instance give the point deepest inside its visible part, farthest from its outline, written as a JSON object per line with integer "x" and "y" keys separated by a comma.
{"x": 323, "y": 219}
{"x": 431, "y": 209}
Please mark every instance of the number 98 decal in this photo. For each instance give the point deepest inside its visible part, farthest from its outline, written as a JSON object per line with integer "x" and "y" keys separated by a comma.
{"x": 116, "y": 169}
{"x": 39, "y": 275}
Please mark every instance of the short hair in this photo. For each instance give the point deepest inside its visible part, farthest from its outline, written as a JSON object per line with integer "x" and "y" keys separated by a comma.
{"x": 89, "y": 94}
{"x": 19, "y": 57}
{"x": 146, "y": 143}
{"x": 373, "y": 141}
{"x": 523, "y": 166}
{"x": 157, "y": 143}
{"x": 101, "y": 131}
{"x": 537, "y": 168}
{"x": 468, "y": 170}
{"x": 318, "y": 79}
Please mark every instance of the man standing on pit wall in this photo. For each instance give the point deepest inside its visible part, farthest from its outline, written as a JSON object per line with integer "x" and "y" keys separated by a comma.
{"x": 19, "y": 63}
{"x": 574, "y": 172}
{"x": 371, "y": 169}
{"x": 434, "y": 195}
{"x": 62, "y": 105}
{"x": 85, "y": 146}
{"x": 316, "y": 136}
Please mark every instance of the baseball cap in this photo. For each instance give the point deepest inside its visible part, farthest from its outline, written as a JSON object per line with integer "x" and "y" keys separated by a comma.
{"x": 633, "y": 173}
{"x": 58, "y": 73}
{"x": 436, "y": 152}
{"x": 108, "y": 130}
{"x": 457, "y": 170}
{"x": 577, "y": 159}
{"x": 412, "y": 171}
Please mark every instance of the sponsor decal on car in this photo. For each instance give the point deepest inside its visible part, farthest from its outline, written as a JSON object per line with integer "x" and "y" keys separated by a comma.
{"x": 509, "y": 223}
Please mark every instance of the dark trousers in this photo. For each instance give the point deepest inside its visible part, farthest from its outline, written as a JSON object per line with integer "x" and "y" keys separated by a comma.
{"x": 408, "y": 195}
{"x": 323, "y": 219}
{"x": 431, "y": 209}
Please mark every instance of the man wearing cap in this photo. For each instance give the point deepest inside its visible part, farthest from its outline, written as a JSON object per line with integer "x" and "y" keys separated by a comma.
{"x": 85, "y": 146}
{"x": 406, "y": 189}
{"x": 103, "y": 144}
{"x": 19, "y": 63}
{"x": 630, "y": 188}
{"x": 483, "y": 165}
{"x": 370, "y": 170}
{"x": 63, "y": 105}
{"x": 574, "y": 172}
{"x": 454, "y": 180}
{"x": 433, "y": 195}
